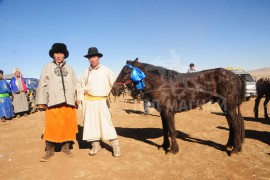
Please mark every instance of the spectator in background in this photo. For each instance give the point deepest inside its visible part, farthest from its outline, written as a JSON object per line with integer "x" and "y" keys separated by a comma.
{"x": 191, "y": 68}
{"x": 6, "y": 109}
{"x": 145, "y": 104}
{"x": 19, "y": 90}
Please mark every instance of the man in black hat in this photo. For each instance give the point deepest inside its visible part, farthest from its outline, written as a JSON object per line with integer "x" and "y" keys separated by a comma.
{"x": 56, "y": 94}
{"x": 96, "y": 84}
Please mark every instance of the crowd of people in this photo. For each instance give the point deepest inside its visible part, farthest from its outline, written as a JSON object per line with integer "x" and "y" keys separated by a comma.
{"x": 13, "y": 98}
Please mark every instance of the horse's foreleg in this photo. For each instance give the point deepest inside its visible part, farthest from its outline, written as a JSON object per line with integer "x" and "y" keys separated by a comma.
{"x": 265, "y": 107}
{"x": 166, "y": 142}
{"x": 256, "y": 106}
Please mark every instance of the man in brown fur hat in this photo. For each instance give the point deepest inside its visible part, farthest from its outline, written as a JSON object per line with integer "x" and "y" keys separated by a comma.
{"x": 56, "y": 94}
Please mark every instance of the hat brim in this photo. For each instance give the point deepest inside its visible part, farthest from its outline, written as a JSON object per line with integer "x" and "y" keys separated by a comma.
{"x": 91, "y": 55}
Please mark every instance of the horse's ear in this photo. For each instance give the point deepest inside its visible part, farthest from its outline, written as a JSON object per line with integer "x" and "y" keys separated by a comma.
{"x": 129, "y": 62}
{"x": 136, "y": 60}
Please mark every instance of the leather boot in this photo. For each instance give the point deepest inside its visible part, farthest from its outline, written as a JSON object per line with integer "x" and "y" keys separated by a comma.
{"x": 65, "y": 149}
{"x": 95, "y": 148}
{"x": 49, "y": 152}
{"x": 116, "y": 148}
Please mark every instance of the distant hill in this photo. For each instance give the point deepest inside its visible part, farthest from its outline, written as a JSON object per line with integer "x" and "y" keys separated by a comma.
{"x": 260, "y": 72}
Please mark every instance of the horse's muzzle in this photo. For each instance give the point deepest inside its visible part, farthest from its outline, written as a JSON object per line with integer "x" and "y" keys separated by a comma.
{"x": 116, "y": 91}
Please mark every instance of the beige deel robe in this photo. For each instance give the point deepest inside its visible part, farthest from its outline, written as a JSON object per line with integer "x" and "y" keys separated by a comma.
{"x": 97, "y": 115}
{"x": 20, "y": 102}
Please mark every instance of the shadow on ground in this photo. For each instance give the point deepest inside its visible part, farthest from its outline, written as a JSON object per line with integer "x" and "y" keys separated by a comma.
{"x": 146, "y": 134}
{"x": 259, "y": 120}
{"x": 262, "y": 136}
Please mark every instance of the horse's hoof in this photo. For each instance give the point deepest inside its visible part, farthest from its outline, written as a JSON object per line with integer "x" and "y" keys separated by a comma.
{"x": 229, "y": 148}
{"x": 165, "y": 147}
{"x": 233, "y": 153}
{"x": 174, "y": 150}
{"x": 240, "y": 149}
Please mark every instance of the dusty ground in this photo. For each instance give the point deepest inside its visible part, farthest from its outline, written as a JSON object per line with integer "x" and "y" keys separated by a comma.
{"x": 202, "y": 136}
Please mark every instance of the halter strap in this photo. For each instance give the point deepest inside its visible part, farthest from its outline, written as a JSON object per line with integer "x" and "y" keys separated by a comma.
{"x": 125, "y": 83}
{"x": 137, "y": 77}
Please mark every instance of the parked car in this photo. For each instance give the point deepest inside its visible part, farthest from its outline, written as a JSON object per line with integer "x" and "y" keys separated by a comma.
{"x": 250, "y": 84}
{"x": 31, "y": 83}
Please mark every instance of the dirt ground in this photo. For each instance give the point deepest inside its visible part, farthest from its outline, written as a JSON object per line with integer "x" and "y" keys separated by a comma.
{"x": 202, "y": 135}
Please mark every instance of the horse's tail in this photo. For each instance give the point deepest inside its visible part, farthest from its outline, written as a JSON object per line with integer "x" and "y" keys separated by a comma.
{"x": 241, "y": 124}
{"x": 242, "y": 90}
{"x": 240, "y": 118}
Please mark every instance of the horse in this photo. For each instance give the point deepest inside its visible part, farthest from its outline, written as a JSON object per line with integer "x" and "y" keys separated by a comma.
{"x": 263, "y": 88}
{"x": 172, "y": 92}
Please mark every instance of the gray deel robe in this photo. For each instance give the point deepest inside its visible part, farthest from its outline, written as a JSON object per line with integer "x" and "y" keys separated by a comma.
{"x": 50, "y": 89}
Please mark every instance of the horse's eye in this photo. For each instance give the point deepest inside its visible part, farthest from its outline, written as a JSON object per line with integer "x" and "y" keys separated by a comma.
{"x": 125, "y": 73}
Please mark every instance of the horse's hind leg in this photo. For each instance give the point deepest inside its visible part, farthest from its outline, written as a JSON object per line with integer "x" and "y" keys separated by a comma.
{"x": 223, "y": 107}
{"x": 267, "y": 98}
{"x": 229, "y": 145}
{"x": 256, "y": 106}
{"x": 236, "y": 128}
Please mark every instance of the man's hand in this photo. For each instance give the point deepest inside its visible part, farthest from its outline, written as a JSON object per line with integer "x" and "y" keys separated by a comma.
{"x": 78, "y": 102}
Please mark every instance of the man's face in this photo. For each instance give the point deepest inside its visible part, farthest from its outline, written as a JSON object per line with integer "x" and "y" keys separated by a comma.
{"x": 94, "y": 61}
{"x": 59, "y": 57}
{"x": 1, "y": 75}
{"x": 193, "y": 67}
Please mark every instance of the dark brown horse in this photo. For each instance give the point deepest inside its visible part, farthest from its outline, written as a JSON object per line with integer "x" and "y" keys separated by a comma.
{"x": 263, "y": 89}
{"x": 171, "y": 92}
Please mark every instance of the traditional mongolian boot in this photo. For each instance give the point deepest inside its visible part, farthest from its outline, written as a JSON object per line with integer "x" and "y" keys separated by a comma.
{"x": 49, "y": 152}
{"x": 65, "y": 149}
{"x": 95, "y": 148}
{"x": 3, "y": 119}
{"x": 116, "y": 148}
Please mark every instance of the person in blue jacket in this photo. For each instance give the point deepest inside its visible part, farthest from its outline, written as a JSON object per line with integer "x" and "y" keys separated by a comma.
{"x": 19, "y": 90}
{"x": 6, "y": 109}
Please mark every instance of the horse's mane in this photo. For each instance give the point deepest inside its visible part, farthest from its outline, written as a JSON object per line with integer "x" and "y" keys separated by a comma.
{"x": 170, "y": 71}
{"x": 266, "y": 79}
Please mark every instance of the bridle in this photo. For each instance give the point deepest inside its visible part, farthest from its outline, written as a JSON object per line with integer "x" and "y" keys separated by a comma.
{"x": 124, "y": 84}
{"x": 136, "y": 78}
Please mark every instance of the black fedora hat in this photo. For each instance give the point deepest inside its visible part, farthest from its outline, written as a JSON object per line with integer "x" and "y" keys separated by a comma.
{"x": 93, "y": 51}
{"x": 59, "y": 48}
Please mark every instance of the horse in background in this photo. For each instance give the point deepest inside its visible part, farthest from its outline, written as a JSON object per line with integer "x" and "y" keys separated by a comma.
{"x": 174, "y": 92}
{"x": 263, "y": 89}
